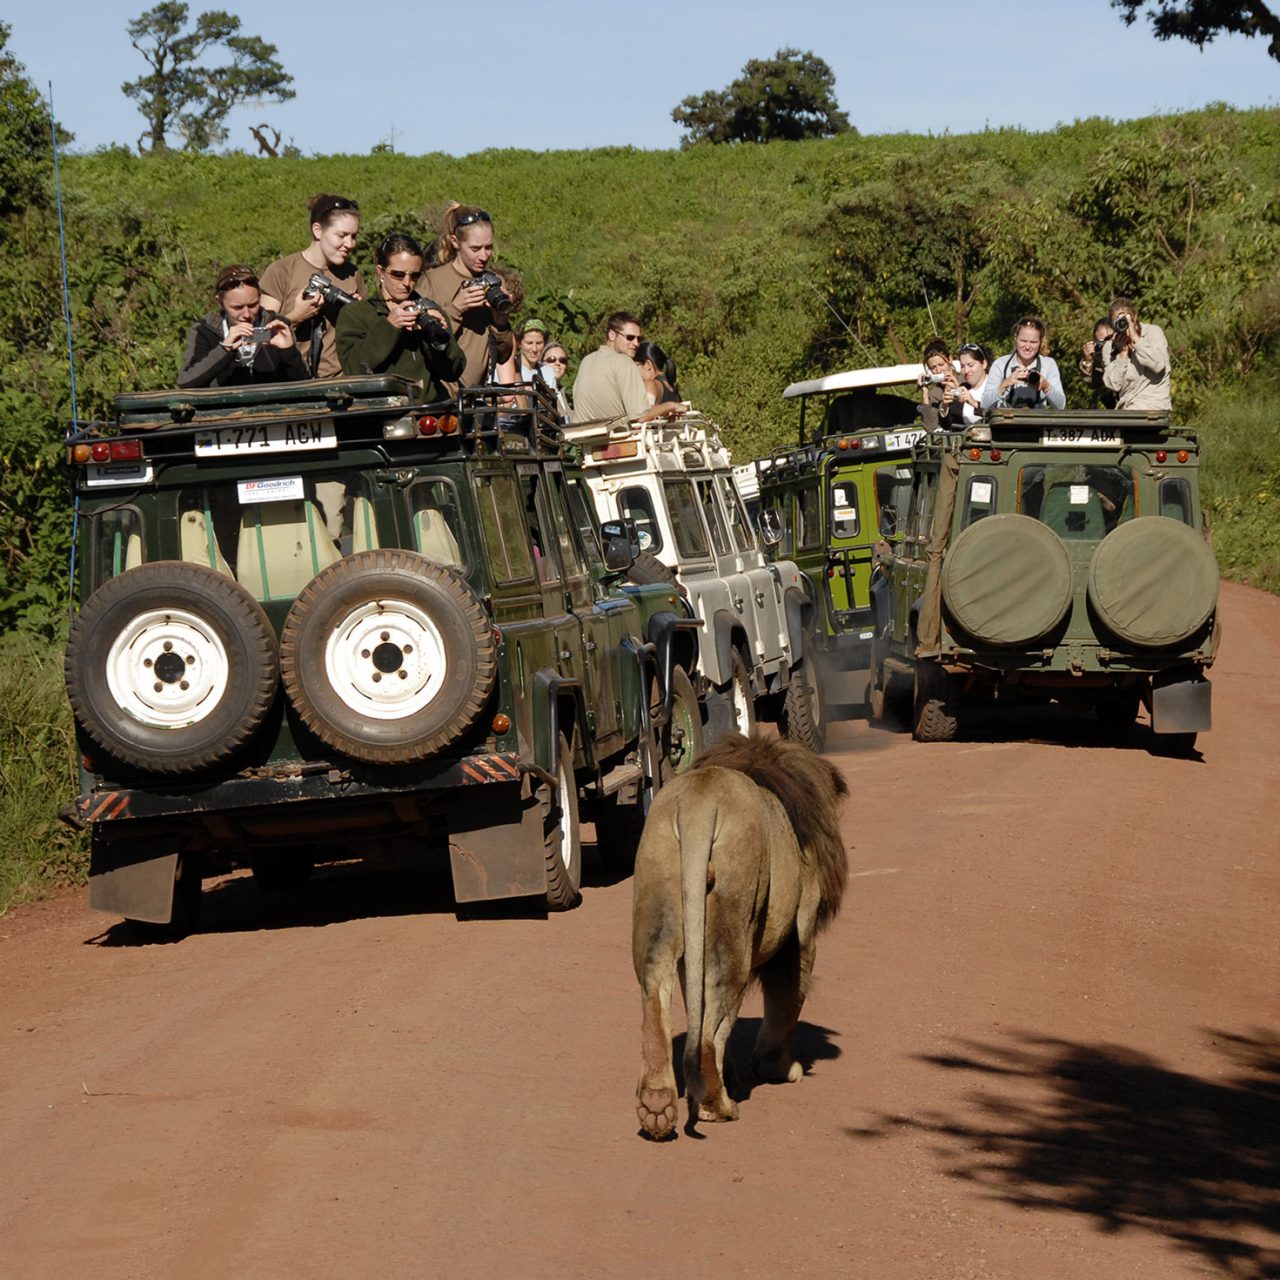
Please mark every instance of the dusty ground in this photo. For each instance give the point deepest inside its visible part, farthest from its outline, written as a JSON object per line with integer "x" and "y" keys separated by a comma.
{"x": 1045, "y": 1043}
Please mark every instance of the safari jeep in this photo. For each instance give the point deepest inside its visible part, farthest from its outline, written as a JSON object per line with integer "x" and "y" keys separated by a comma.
{"x": 674, "y": 480}
{"x": 320, "y": 620}
{"x": 1056, "y": 557}
{"x": 835, "y": 500}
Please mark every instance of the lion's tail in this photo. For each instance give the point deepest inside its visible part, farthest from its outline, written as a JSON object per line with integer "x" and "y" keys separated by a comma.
{"x": 696, "y": 825}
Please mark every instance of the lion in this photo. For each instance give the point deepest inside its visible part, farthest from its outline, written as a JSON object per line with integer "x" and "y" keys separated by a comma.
{"x": 740, "y": 866}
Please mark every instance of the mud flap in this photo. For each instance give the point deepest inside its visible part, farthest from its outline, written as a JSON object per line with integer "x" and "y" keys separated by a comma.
{"x": 496, "y": 850}
{"x": 1182, "y": 707}
{"x": 140, "y": 890}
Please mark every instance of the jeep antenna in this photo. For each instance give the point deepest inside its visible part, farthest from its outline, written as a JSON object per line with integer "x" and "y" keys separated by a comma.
{"x": 927, "y": 307}
{"x": 71, "y": 350}
{"x": 839, "y": 317}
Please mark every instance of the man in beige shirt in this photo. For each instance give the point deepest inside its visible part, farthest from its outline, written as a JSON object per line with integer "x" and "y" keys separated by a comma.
{"x": 1136, "y": 360}
{"x": 609, "y": 384}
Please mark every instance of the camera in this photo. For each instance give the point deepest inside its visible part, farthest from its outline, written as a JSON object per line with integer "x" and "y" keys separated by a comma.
{"x": 436, "y": 334}
{"x": 491, "y": 283}
{"x": 322, "y": 285}
{"x": 933, "y": 379}
{"x": 1098, "y": 345}
{"x": 1121, "y": 324}
{"x": 261, "y": 335}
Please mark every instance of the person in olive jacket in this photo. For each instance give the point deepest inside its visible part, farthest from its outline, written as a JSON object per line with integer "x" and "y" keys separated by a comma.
{"x": 392, "y": 334}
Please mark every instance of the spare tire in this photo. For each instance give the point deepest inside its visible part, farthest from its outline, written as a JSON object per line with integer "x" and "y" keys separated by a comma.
{"x": 387, "y": 656}
{"x": 1153, "y": 582}
{"x": 1007, "y": 580}
{"x": 171, "y": 667}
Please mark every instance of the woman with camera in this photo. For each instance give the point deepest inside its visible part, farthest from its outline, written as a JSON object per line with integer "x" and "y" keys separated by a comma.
{"x": 1027, "y": 378}
{"x": 471, "y": 296}
{"x": 241, "y": 342}
{"x": 310, "y": 288}
{"x": 974, "y": 362}
{"x": 398, "y": 332}
{"x": 938, "y": 387}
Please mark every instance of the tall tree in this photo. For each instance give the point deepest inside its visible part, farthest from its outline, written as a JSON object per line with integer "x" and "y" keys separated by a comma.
{"x": 184, "y": 96}
{"x": 788, "y": 96}
{"x": 1200, "y": 20}
{"x": 25, "y": 162}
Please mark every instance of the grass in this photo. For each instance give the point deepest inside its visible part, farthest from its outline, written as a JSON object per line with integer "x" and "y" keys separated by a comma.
{"x": 37, "y": 774}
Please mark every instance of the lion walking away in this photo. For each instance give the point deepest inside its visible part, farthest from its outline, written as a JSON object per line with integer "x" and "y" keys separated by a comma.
{"x": 740, "y": 867}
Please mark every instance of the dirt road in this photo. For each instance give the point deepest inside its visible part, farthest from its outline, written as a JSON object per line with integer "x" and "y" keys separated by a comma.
{"x": 1045, "y": 1042}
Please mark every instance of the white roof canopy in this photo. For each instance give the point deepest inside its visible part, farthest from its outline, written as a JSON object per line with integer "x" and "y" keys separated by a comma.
{"x": 894, "y": 375}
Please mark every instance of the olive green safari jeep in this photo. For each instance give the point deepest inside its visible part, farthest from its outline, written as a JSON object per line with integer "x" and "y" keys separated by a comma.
{"x": 319, "y": 620}
{"x": 1051, "y": 557}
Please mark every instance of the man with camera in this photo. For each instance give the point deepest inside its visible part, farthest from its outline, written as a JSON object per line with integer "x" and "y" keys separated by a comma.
{"x": 1136, "y": 360}
{"x": 1093, "y": 362}
{"x": 1027, "y": 378}
{"x": 609, "y": 383}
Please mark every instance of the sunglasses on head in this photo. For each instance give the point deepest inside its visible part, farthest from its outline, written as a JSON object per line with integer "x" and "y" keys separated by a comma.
{"x": 340, "y": 203}
{"x": 476, "y": 215}
{"x": 973, "y": 349}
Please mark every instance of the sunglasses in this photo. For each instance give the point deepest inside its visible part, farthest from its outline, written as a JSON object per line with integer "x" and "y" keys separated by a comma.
{"x": 631, "y": 337}
{"x": 972, "y": 349}
{"x": 340, "y": 203}
{"x": 401, "y": 275}
{"x": 556, "y": 360}
{"x": 476, "y": 215}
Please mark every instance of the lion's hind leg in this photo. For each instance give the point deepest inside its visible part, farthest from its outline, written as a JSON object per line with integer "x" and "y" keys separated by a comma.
{"x": 780, "y": 982}
{"x": 656, "y": 1094}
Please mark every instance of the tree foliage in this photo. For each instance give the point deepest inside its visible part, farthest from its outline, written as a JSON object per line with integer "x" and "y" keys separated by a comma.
{"x": 181, "y": 94}
{"x": 789, "y": 96}
{"x": 1201, "y": 20}
{"x": 25, "y": 136}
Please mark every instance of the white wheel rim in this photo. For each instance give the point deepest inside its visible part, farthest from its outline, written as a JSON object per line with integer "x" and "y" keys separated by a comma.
{"x": 564, "y": 782}
{"x": 386, "y": 660}
{"x": 168, "y": 669}
{"x": 741, "y": 705}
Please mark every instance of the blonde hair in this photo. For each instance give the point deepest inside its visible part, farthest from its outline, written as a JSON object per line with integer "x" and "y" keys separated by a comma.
{"x": 466, "y": 214}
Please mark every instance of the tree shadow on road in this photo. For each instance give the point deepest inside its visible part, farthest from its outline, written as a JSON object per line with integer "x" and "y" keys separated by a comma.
{"x": 1110, "y": 1133}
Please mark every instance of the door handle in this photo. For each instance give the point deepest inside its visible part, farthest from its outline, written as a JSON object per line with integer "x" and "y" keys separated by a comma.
{"x": 760, "y": 599}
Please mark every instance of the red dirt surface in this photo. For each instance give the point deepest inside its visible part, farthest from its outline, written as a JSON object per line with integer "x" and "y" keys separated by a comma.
{"x": 1044, "y": 1042}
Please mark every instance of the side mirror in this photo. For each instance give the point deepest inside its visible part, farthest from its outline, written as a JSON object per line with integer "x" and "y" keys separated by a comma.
{"x": 621, "y": 544}
{"x": 770, "y": 527}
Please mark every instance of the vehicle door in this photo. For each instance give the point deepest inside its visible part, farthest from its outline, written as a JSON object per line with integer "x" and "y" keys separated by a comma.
{"x": 708, "y": 591}
{"x": 764, "y": 585}
{"x": 911, "y": 560}
{"x": 606, "y": 618}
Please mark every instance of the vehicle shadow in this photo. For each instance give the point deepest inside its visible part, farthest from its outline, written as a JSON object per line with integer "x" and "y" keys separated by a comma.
{"x": 1113, "y": 1134}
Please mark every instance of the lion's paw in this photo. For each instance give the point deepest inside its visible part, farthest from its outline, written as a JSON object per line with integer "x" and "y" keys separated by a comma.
{"x": 715, "y": 1109}
{"x": 657, "y": 1111}
{"x": 774, "y": 1070}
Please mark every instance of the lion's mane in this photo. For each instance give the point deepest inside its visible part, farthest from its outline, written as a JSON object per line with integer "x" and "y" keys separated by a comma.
{"x": 808, "y": 788}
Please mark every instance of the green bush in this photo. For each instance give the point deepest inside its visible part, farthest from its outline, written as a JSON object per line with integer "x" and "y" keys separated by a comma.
{"x": 37, "y": 773}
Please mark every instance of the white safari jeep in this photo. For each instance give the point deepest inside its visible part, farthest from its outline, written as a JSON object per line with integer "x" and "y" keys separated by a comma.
{"x": 674, "y": 479}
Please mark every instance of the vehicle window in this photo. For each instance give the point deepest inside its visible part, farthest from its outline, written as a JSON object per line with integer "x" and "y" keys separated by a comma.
{"x": 583, "y": 512}
{"x": 844, "y": 507}
{"x": 438, "y": 530}
{"x": 118, "y": 544}
{"x": 1079, "y": 501}
{"x": 273, "y": 539}
{"x": 686, "y": 523}
{"x": 502, "y": 519}
{"x": 637, "y": 504}
{"x": 920, "y": 512}
{"x": 572, "y": 558}
{"x": 714, "y": 518}
{"x": 979, "y": 499}
{"x": 739, "y": 522}
{"x": 808, "y": 517}
{"x": 1175, "y": 499}
{"x": 893, "y": 499}
{"x": 542, "y": 530}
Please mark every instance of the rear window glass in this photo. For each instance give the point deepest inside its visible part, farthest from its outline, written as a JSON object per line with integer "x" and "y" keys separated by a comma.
{"x": 844, "y": 508}
{"x": 437, "y": 524}
{"x": 979, "y": 499}
{"x": 118, "y": 544}
{"x": 809, "y": 517}
{"x": 1081, "y": 501}
{"x": 893, "y": 499}
{"x": 1175, "y": 499}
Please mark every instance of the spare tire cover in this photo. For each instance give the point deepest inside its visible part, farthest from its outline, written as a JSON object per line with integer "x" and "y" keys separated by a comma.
{"x": 1007, "y": 580}
{"x": 1153, "y": 582}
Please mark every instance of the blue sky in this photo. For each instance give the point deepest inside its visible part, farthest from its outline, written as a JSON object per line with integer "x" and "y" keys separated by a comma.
{"x": 571, "y": 74}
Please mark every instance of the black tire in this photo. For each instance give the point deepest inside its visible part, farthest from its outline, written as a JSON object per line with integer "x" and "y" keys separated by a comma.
{"x": 185, "y": 916}
{"x": 561, "y": 834}
{"x": 393, "y": 614}
{"x": 937, "y": 705}
{"x": 730, "y": 706}
{"x": 802, "y": 717}
{"x": 171, "y": 667}
{"x": 682, "y": 739}
{"x": 646, "y": 568}
{"x": 282, "y": 870}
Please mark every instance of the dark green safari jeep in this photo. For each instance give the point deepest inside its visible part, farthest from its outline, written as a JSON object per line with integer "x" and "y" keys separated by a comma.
{"x": 835, "y": 499}
{"x": 318, "y": 619}
{"x": 1052, "y": 557}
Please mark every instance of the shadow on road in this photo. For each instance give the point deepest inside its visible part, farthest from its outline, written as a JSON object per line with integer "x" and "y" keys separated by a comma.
{"x": 1110, "y": 1133}
{"x": 812, "y": 1044}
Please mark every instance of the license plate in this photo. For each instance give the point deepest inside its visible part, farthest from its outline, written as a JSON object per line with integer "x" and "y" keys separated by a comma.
{"x": 271, "y": 437}
{"x": 1080, "y": 437}
{"x": 901, "y": 439}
